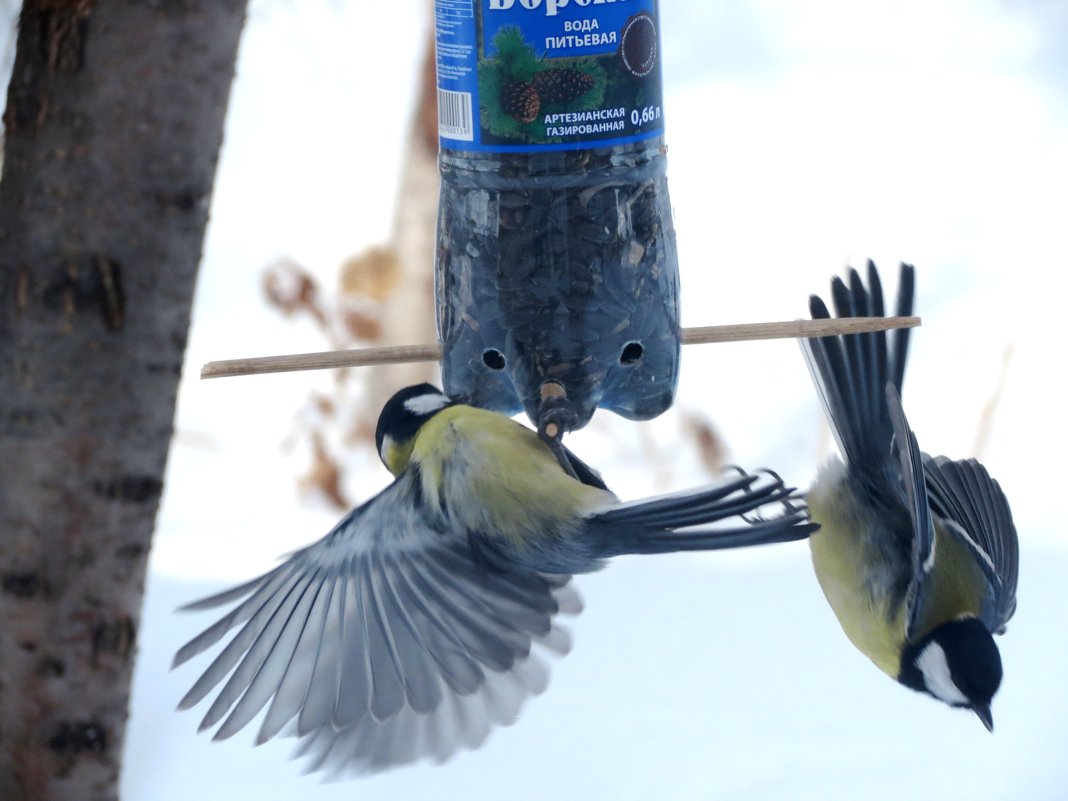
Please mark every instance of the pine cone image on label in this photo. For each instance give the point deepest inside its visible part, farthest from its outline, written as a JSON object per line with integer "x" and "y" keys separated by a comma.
{"x": 556, "y": 85}
{"x": 520, "y": 101}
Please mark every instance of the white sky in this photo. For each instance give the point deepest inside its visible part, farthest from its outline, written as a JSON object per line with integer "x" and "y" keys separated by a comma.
{"x": 803, "y": 137}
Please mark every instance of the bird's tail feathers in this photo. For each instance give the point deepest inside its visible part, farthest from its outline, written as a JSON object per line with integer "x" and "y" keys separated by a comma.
{"x": 851, "y": 371}
{"x": 751, "y": 509}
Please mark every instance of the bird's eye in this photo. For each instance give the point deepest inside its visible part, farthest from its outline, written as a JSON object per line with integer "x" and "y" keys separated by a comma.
{"x": 493, "y": 359}
{"x": 632, "y": 354}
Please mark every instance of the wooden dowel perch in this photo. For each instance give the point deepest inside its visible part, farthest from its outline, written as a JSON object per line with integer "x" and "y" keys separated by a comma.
{"x": 362, "y": 357}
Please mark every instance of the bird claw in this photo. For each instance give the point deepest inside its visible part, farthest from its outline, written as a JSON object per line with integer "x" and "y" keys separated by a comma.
{"x": 789, "y": 503}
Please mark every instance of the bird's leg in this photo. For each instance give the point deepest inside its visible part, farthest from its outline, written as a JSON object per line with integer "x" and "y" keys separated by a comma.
{"x": 556, "y": 416}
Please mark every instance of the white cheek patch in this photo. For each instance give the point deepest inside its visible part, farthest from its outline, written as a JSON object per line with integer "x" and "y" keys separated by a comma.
{"x": 425, "y": 404}
{"x": 936, "y": 677}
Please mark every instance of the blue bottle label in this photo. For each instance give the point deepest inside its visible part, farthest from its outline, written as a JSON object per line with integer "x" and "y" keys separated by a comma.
{"x": 534, "y": 75}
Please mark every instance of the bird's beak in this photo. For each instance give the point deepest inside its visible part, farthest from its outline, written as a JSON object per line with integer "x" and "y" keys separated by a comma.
{"x": 983, "y": 711}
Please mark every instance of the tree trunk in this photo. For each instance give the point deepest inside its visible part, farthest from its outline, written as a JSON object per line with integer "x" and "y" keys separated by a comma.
{"x": 114, "y": 121}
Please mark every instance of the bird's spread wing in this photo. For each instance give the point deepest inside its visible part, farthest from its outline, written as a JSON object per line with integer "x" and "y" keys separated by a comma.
{"x": 923, "y": 537}
{"x": 964, "y": 494}
{"x": 382, "y": 643}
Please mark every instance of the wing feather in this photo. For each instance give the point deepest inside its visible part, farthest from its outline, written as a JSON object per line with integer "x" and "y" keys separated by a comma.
{"x": 459, "y": 667}
{"x": 420, "y": 682}
{"x": 923, "y": 536}
{"x": 280, "y": 643}
{"x": 460, "y": 721}
{"x": 293, "y": 688}
{"x": 237, "y": 647}
{"x": 263, "y": 591}
{"x": 354, "y": 688}
{"x": 492, "y": 644}
{"x": 963, "y": 493}
{"x": 255, "y": 656}
{"x": 387, "y": 685}
{"x": 321, "y": 690}
{"x": 385, "y": 642}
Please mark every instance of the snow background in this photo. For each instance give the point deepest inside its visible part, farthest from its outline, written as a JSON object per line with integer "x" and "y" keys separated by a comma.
{"x": 803, "y": 137}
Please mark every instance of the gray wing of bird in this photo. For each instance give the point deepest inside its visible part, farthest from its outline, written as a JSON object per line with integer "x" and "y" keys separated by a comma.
{"x": 382, "y": 643}
{"x": 963, "y": 493}
{"x": 923, "y": 539}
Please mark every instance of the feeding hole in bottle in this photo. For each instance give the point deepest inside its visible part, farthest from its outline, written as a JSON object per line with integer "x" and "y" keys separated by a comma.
{"x": 632, "y": 354}
{"x": 493, "y": 359}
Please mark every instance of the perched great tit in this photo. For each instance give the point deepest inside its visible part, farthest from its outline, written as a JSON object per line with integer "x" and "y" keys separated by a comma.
{"x": 416, "y": 623}
{"x": 917, "y": 555}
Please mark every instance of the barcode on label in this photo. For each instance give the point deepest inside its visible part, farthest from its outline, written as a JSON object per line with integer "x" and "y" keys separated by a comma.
{"x": 454, "y": 115}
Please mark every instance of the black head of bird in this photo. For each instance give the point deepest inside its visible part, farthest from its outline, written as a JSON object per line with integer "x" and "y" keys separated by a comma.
{"x": 958, "y": 663}
{"x": 400, "y": 420}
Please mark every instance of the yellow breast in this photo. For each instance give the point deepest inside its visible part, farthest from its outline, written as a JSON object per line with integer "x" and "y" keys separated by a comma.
{"x": 842, "y": 563}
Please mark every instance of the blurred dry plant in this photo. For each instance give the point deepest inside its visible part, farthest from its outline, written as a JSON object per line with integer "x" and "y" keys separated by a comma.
{"x": 986, "y": 416}
{"x": 711, "y": 449}
{"x": 384, "y": 296}
{"x": 352, "y": 315}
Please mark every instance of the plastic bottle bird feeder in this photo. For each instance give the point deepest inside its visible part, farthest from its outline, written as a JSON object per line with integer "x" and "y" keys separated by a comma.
{"x": 556, "y": 272}
{"x": 556, "y": 259}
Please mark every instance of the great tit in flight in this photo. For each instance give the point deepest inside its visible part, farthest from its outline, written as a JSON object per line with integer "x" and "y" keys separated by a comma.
{"x": 917, "y": 555}
{"x": 416, "y": 624}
